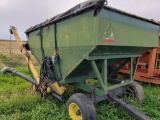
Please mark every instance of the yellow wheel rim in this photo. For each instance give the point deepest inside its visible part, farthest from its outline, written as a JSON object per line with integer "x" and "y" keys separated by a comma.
{"x": 75, "y": 112}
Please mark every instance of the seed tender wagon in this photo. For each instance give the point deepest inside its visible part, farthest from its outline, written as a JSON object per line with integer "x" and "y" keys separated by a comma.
{"x": 84, "y": 43}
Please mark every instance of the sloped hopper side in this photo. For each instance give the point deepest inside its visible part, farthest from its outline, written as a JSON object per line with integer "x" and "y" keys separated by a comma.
{"x": 112, "y": 32}
{"x": 84, "y": 69}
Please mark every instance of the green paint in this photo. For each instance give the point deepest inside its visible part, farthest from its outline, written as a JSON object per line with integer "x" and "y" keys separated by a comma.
{"x": 119, "y": 85}
{"x": 104, "y": 71}
{"x": 88, "y": 88}
{"x": 96, "y": 71}
{"x": 80, "y": 39}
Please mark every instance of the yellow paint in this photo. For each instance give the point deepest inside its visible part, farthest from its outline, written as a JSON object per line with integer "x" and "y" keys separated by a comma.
{"x": 73, "y": 109}
{"x": 26, "y": 53}
{"x": 54, "y": 86}
{"x": 58, "y": 89}
{"x": 33, "y": 70}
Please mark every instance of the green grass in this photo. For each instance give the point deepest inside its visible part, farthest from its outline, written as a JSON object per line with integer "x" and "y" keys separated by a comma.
{"x": 19, "y": 102}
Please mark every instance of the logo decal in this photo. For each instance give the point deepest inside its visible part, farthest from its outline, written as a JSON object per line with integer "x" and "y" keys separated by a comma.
{"x": 108, "y": 35}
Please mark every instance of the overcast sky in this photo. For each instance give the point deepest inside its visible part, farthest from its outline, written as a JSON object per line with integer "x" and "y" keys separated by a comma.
{"x": 26, "y": 13}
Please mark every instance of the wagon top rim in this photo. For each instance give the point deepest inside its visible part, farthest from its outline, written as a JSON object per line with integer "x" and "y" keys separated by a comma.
{"x": 81, "y": 8}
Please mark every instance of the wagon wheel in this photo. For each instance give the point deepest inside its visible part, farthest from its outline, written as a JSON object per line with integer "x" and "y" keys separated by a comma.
{"x": 80, "y": 107}
{"x": 134, "y": 91}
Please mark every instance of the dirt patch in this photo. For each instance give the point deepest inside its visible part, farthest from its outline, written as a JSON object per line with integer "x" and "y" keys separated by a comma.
{"x": 11, "y": 56}
{"x": 7, "y": 46}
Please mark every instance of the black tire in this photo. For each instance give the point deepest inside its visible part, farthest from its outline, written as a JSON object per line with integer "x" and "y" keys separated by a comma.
{"x": 86, "y": 108}
{"x": 136, "y": 91}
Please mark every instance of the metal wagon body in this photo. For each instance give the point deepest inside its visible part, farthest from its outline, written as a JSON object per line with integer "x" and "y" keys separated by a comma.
{"x": 83, "y": 43}
{"x": 81, "y": 39}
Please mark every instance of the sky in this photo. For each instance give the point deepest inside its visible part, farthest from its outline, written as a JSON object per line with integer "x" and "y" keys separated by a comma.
{"x": 26, "y": 13}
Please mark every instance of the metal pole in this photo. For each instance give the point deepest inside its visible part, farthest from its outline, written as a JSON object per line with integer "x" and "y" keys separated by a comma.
{"x": 10, "y": 42}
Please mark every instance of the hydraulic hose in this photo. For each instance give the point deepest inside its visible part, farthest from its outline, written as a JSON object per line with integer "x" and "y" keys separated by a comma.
{"x": 10, "y": 70}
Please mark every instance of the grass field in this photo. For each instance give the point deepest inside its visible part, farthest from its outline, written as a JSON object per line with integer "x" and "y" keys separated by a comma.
{"x": 19, "y": 102}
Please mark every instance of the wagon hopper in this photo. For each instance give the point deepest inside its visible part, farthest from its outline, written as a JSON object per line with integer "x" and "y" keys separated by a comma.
{"x": 83, "y": 43}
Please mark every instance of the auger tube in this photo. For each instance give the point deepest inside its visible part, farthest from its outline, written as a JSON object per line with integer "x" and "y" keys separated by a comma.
{"x": 59, "y": 97}
{"x": 10, "y": 70}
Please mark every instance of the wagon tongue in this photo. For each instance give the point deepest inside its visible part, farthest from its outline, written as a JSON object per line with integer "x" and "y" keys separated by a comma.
{"x": 130, "y": 109}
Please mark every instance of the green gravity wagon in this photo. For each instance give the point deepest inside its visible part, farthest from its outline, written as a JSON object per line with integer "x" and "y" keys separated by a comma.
{"x": 82, "y": 47}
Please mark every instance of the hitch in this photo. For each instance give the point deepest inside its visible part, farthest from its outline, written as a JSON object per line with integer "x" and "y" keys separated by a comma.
{"x": 128, "y": 108}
